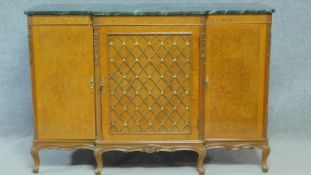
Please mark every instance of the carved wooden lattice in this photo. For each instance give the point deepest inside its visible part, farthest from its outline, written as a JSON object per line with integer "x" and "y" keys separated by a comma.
{"x": 149, "y": 82}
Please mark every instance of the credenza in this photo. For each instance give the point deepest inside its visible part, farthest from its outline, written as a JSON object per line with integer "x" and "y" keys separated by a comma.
{"x": 150, "y": 77}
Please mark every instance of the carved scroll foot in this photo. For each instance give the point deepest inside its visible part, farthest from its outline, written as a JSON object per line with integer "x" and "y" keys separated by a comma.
{"x": 36, "y": 159}
{"x": 99, "y": 161}
{"x": 200, "y": 162}
{"x": 264, "y": 158}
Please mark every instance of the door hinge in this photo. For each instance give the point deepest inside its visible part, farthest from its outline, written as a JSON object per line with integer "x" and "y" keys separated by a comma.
{"x": 202, "y": 42}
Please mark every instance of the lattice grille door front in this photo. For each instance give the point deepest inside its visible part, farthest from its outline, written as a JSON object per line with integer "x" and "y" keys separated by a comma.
{"x": 149, "y": 83}
{"x": 149, "y": 80}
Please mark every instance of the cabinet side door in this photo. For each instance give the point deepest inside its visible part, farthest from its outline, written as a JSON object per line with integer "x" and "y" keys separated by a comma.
{"x": 236, "y": 75}
{"x": 62, "y": 70}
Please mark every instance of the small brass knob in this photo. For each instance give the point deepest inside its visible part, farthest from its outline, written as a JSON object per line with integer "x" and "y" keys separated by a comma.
{"x": 92, "y": 83}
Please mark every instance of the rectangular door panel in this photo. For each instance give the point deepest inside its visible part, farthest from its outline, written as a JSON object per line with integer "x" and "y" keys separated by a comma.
{"x": 62, "y": 70}
{"x": 235, "y": 73}
{"x": 151, "y": 76}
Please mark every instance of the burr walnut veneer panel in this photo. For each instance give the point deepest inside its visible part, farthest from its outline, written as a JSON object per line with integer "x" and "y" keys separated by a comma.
{"x": 62, "y": 68}
{"x": 235, "y": 69}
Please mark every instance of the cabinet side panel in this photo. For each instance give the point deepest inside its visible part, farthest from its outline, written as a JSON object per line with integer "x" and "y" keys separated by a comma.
{"x": 63, "y": 66}
{"x": 236, "y": 69}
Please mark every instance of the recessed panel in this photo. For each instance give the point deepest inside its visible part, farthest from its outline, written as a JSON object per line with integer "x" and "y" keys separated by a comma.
{"x": 149, "y": 82}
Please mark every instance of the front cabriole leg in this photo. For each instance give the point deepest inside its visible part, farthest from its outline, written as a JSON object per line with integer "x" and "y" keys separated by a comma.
{"x": 99, "y": 161}
{"x": 36, "y": 159}
{"x": 200, "y": 163}
{"x": 264, "y": 158}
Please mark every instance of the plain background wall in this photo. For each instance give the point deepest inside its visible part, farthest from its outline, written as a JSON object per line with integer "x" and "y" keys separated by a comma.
{"x": 290, "y": 80}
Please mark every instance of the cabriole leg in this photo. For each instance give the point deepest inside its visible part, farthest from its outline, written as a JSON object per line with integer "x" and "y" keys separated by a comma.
{"x": 99, "y": 161}
{"x": 36, "y": 159}
{"x": 200, "y": 163}
{"x": 264, "y": 158}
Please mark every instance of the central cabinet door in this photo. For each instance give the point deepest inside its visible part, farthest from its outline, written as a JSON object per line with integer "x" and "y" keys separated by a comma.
{"x": 150, "y": 78}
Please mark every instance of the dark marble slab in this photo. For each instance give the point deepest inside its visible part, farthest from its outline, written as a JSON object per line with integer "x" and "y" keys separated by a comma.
{"x": 140, "y": 9}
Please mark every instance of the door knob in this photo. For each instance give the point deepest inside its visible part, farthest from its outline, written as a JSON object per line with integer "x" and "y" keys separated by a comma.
{"x": 92, "y": 83}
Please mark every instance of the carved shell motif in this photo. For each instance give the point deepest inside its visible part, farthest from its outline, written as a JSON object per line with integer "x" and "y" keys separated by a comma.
{"x": 152, "y": 148}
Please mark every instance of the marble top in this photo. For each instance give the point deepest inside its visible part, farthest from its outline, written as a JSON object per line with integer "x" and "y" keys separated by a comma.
{"x": 140, "y": 9}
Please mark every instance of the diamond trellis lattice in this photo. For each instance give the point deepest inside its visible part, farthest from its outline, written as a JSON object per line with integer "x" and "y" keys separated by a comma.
{"x": 149, "y": 82}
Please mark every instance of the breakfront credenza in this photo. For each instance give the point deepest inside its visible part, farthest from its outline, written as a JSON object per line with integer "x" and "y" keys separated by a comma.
{"x": 150, "y": 77}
